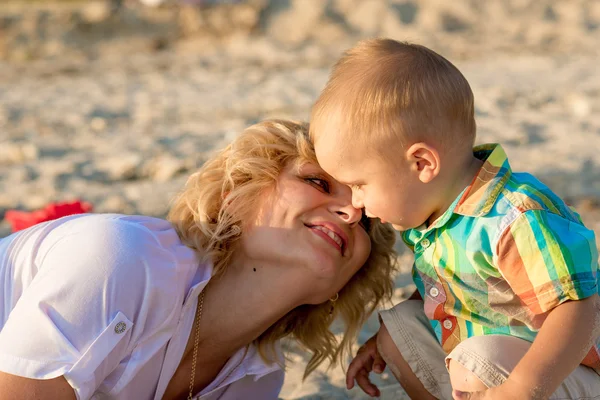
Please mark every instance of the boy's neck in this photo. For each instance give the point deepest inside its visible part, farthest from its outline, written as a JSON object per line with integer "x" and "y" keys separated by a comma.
{"x": 460, "y": 174}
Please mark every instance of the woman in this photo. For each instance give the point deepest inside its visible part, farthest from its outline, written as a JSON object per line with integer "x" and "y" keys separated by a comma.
{"x": 261, "y": 245}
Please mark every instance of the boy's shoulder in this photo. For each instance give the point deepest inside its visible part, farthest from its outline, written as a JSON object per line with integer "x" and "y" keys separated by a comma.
{"x": 526, "y": 211}
{"x": 512, "y": 201}
{"x": 523, "y": 192}
{"x": 498, "y": 192}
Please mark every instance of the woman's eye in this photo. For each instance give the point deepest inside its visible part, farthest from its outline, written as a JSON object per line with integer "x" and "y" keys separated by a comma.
{"x": 323, "y": 184}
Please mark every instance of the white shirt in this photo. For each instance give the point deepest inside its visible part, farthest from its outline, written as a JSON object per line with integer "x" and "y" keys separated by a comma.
{"x": 108, "y": 302}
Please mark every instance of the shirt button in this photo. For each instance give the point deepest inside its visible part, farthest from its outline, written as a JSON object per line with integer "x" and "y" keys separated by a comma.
{"x": 120, "y": 327}
{"x": 425, "y": 243}
{"x": 434, "y": 292}
{"x": 447, "y": 324}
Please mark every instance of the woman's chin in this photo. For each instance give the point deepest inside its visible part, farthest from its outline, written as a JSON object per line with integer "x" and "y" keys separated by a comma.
{"x": 324, "y": 266}
{"x": 326, "y": 277}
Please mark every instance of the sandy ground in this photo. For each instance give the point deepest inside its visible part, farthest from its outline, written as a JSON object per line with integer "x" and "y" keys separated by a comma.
{"x": 123, "y": 132}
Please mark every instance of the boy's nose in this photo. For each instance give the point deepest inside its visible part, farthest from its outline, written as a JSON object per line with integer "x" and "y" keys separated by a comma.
{"x": 357, "y": 201}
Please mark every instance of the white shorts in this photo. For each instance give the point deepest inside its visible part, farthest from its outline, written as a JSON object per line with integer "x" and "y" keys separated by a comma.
{"x": 491, "y": 358}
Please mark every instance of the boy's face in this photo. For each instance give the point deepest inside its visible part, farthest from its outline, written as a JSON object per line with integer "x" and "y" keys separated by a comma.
{"x": 386, "y": 187}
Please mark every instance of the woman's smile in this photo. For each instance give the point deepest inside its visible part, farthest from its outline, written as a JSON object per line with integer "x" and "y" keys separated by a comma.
{"x": 331, "y": 234}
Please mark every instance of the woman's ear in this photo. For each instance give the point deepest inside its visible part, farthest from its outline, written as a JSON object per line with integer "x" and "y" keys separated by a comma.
{"x": 424, "y": 160}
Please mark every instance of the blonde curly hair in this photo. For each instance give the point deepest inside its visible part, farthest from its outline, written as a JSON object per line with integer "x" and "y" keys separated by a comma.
{"x": 210, "y": 212}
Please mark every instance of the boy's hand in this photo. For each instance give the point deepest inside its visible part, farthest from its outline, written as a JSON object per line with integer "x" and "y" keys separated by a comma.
{"x": 367, "y": 359}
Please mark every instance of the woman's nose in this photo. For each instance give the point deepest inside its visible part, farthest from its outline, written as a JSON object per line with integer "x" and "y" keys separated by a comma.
{"x": 350, "y": 214}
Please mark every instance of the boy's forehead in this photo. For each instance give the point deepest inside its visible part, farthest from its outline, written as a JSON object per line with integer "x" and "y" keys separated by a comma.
{"x": 335, "y": 148}
{"x": 332, "y": 122}
{"x": 336, "y": 158}
{"x": 332, "y": 149}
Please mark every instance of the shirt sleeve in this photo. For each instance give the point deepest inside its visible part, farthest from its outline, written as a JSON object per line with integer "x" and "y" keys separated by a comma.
{"x": 76, "y": 318}
{"x": 547, "y": 260}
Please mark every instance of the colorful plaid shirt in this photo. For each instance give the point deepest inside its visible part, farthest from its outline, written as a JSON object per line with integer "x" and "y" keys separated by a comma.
{"x": 504, "y": 254}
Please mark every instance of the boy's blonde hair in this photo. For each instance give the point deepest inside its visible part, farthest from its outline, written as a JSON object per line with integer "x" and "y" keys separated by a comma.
{"x": 384, "y": 89}
{"x": 218, "y": 200}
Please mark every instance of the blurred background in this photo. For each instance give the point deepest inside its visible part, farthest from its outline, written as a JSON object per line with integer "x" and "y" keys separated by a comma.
{"x": 115, "y": 102}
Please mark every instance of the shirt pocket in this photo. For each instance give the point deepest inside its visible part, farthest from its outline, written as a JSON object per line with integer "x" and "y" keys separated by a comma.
{"x": 89, "y": 367}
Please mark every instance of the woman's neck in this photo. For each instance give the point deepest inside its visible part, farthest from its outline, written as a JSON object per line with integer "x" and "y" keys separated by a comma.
{"x": 243, "y": 303}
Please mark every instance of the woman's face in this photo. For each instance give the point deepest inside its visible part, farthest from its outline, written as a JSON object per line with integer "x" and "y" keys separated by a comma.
{"x": 307, "y": 220}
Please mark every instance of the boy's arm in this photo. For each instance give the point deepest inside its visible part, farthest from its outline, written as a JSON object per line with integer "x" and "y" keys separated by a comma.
{"x": 563, "y": 341}
{"x": 551, "y": 264}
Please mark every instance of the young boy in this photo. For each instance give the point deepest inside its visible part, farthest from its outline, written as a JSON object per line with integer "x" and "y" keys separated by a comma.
{"x": 506, "y": 274}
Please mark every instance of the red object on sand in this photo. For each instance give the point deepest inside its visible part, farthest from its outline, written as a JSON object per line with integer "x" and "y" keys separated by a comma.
{"x": 22, "y": 219}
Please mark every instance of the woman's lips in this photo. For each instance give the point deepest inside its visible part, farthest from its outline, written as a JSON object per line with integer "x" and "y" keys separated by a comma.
{"x": 319, "y": 230}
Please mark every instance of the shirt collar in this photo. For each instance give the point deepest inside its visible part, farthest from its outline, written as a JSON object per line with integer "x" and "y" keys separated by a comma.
{"x": 480, "y": 196}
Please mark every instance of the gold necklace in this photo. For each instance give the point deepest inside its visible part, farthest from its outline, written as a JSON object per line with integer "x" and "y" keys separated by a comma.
{"x": 196, "y": 342}
{"x": 195, "y": 352}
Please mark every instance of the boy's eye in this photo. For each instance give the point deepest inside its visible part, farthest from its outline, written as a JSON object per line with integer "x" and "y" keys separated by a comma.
{"x": 322, "y": 183}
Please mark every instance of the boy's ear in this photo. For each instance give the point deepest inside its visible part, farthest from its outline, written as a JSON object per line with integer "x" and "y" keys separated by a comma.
{"x": 424, "y": 160}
